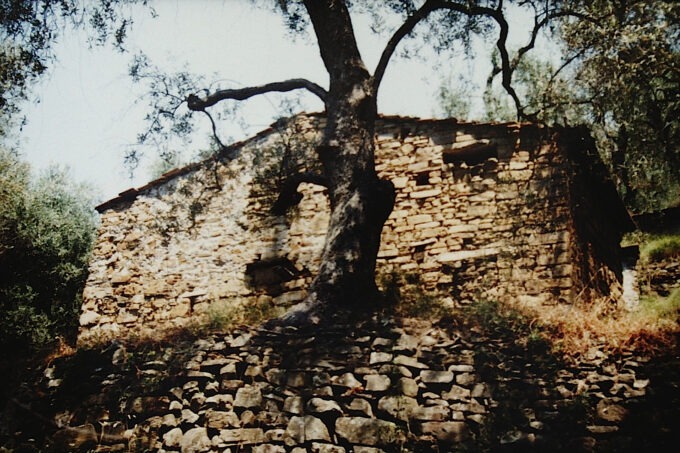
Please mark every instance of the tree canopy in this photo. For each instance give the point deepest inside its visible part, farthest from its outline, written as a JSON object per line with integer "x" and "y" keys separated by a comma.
{"x": 628, "y": 73}
{"x": 28, "y": 31}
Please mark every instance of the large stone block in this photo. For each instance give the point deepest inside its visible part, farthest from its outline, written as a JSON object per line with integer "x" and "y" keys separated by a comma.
{"x": 451, "y": 432}
{"x": 304, "y": 429}
{"x": 367, "y": 431}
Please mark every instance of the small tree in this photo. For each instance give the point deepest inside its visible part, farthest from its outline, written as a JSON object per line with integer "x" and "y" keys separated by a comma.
{"x": 47, "y": 228}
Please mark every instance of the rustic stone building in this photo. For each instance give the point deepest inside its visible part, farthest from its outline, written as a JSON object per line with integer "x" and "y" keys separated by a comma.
{"x": 483, "y": 211}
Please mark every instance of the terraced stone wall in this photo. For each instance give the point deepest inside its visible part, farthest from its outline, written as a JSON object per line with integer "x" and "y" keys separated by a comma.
{"x": 482, "y": 211}
{"x": 376, "y": 386}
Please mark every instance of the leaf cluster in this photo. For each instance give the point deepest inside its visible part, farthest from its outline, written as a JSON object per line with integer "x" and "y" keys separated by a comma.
{"x": 628, "y": 70}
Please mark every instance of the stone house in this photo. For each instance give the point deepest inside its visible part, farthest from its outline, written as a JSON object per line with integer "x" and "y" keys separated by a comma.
{"x": 507, "y": 211}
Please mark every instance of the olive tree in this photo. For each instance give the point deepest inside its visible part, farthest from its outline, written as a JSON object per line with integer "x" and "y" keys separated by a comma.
{"x": 618, "y": 72}
{"x": 360, "y": 201}
{"x": 627, "y": 73}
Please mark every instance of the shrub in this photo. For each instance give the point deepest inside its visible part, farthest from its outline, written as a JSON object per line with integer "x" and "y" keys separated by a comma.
{"x": 47, "y": 228}
{"x": 661, "y": 248}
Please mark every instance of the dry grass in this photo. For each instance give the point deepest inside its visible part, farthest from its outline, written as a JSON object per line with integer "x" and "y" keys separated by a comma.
{"x": 225, "y": 315}
{"x": 574, "y": 330}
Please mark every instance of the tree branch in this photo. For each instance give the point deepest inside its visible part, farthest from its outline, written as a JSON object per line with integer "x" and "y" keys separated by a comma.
{"x": 289, "y": 196}
{"x": 335, "y": 36}
{"x": 538, "y": 25}
{"x": 214, "y": 131}
{"x": 405, "y": 28}
{"x": 197, "y": 104}
{"x": 506, "y": 68}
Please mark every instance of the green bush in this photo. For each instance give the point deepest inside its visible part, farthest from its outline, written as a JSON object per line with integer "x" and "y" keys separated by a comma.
{"x": 661, "y": 247}
{"x": 47, "y": 228}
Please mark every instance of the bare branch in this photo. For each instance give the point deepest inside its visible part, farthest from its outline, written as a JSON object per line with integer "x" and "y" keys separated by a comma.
{"x": 405, "y": 28}
{"x": 214, "y": 131}
{"x": 533, "y": 116}
{"x": 538, "y": 25}
{"x": 197, "y": 104}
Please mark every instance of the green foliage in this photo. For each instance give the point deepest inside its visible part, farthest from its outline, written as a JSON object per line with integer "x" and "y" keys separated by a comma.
{"x": 226, "y": 314}
{"x": 454, "y": 101}
{"x": 661, "y": 247}
{"x": 28, "y": 31}
{"x": 47, "y": 228}
{"x": 618, "y": 73}
{"x": 628, "y": 72}
{"x": 662, "y": 307}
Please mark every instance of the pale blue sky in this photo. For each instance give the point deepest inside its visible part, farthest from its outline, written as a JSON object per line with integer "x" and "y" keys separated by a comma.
{"x": 88, "y": 111}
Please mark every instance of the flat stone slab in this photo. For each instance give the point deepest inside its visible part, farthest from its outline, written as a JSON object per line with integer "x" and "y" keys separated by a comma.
{"x": 377, "y": 382}
{"x": 436, "y": 377}
{"x": 410, "y": 362}
{"x": 462, "y": 255}
{"x": 400, "y": 407}
{"x": 447, "y": 431}
{"x": 367, "y": 431}
{"x": 242, "y": 436}
{"x": 248, "y": 397}
{"x": 304, "y": 429}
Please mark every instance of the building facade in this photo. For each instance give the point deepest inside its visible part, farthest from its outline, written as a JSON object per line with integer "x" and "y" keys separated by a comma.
{"x": 483, "y": 211}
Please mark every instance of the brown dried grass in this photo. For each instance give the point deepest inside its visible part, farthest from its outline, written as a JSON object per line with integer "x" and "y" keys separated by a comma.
{"x": 574, "y": 330}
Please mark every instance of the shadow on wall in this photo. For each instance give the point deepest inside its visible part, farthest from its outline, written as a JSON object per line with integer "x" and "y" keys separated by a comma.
{"x": 282, "y": 265}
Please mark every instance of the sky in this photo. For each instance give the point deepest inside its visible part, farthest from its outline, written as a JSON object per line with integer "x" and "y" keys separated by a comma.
{"x": 87, "y": 112}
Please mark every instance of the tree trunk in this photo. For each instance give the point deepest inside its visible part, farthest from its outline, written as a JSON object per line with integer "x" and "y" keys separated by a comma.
{"x": 360, "y": 201}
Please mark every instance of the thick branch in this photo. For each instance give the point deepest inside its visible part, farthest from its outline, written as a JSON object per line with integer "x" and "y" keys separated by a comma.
{"x": 405, "y": 28}
{"x": 506, "y": 67}
{"x": 289, "y": 196}
{"x": 198, "y": 104}
{"x": 335, "y": 37}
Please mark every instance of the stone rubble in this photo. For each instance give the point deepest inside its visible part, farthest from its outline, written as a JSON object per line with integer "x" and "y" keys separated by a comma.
{"x": 370, "y": 387}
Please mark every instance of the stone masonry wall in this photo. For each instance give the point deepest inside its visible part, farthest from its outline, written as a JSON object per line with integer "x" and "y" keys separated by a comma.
{"x": 491, "y": 224}
{"x": 482, "y": 211}
{"x": 376, "y": 386}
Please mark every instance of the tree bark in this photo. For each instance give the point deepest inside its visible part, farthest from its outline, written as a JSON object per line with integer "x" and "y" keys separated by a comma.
{"x": 360, "y": 202}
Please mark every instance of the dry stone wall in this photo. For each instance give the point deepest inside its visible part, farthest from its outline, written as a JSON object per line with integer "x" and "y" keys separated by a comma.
{"x": 378, "y": 385}
{"x": 489, "y": 226}
{"x": 482, "y": 211}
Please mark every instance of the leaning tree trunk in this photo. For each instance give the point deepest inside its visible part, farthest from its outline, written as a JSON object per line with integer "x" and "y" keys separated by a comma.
{"x": 360, "y": 202}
